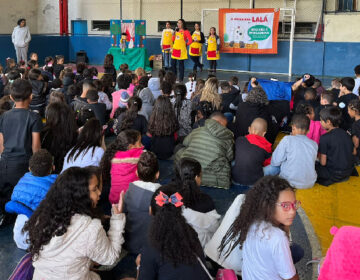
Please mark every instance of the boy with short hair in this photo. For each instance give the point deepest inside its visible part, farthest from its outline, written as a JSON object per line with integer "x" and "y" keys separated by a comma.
{"x": 295, "y": 156}
{"x": 326, "y": 100}
{"x": 357, "y": 80}
{"x": 252, "y": 152}
{"x": 80, "y": 102}
{"x": 234, "y": 81}
{"x": 335, "y": 149}
{"x": 19, "y": 139}
{"x": 98, "y": 108}
{"x": 346, "y": 86}
{"x": 137, "y": 201}
{"x": 29, "y": 192}
{"x": 227, "y": 97}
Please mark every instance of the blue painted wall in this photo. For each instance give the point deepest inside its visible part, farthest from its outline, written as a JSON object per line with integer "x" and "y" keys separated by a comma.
{"x": 318, "y": 58}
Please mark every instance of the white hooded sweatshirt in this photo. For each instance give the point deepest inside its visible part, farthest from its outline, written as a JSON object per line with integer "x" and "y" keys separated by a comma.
{"x": 21, "y": 36}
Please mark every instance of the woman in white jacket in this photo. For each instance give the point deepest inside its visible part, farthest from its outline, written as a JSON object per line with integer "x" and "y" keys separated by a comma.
{"x": 199, "y": 209}
{"x": 65, "y": 233}
{"x": 21, "y": 38}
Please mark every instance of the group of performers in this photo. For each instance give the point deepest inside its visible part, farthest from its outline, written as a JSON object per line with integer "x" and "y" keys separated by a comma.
{"x": 174, "y": 47}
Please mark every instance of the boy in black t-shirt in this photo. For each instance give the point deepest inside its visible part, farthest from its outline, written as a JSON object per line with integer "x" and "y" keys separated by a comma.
{"x": 99, "y": 109}
{"x": 19, "y": 139}
{"x": 335, "y": 149}
{"x": 345, "y": 96}
{"x": 354, "y": 113}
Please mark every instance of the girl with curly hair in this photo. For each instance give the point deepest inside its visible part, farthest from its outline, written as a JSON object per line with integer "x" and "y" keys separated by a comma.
{"x": 199, "y": 210}
{"x": 65, "y": 232}
{"x": 262, "y": 231}
{"x": 210, "y": 93}
{"x": 131, "y": 119}
{"x": 173, "y": 250}
{"x": 162, "y": 128}
{"x": 119, "y": 163}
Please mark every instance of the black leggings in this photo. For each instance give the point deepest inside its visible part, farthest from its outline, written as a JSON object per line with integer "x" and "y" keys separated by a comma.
{"x": 196, "y": 60}
{"x": 212, "y": 65}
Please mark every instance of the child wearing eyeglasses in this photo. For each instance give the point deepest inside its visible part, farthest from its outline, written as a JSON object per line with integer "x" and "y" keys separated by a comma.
{"x": 262, "y": 231}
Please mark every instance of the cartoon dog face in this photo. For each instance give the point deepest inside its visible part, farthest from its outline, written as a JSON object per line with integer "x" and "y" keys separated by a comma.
{"x": 238, "y": 34}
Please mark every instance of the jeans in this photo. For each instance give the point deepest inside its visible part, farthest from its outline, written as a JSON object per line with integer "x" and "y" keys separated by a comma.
{"x": 271, "y": 170}
{"x": 196, "y": 60}
{"x": 167, "y": 59}
{"x": 181, "y": 68}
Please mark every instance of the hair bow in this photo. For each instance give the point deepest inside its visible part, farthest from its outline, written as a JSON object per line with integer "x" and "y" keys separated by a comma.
{"x": 175, "y": 199}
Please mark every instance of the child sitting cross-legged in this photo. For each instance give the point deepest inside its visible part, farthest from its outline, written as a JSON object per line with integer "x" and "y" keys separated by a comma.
{"x": 335, "y": 149}
{"x": 294, "y": 158}
{"x": 252, "y": 152}
{"x": 29, "y": 192}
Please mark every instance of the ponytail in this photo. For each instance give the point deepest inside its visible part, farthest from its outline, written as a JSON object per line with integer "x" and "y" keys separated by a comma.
{"x": 135, "y": 104}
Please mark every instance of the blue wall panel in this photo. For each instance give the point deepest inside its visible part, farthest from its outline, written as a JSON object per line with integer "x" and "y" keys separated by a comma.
{"x": 307, "y": 57}
{"x": 41, "y": 44}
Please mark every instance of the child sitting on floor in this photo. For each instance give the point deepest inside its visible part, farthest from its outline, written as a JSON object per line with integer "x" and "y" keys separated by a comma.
{"x": 354, "y": 113}
{"x": 29, "y": 192}
{"x": 119, "y": 162}
{"x": 315, "y": 128}
{"x": 335, "y": 149}
{"x": 137, "y": 202}
{"x": 294, "y": 158}
{"x": 252, "y": 152}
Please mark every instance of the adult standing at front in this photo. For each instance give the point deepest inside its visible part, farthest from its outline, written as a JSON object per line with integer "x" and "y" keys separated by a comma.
{"x": 21, "y": 38}
{"x": 213, "y": 46}
{"x": 182, "y": 38}
{"x": 195, "y": 49}
{"x": 166, "y": 44}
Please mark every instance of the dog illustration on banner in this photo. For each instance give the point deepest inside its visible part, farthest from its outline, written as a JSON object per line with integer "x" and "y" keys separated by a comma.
{"x": 237, "y": 37}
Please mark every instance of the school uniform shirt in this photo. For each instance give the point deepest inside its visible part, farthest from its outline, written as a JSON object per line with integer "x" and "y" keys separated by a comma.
{"x": 226, "y": 100}
{"x": 355, "y": 131}
{"x": 17, "y": 126}
{"x": 266, "y": 254}
{"x": 356, "y": 87}
{"x": 249, "y": 160}
{"x": 338, "y": 147}
{"x": 88, "y": 157}
{"x": 99, "y": 111}
{"x": 318, "y": 110}
{"x": 163, "y": 146}
{"x": 343, "y": 102}
{"x": 296, "y": 156}
{"x": 154, "y": 267}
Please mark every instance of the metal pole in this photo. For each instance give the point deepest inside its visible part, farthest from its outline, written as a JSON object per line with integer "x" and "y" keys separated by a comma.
{"x": 292, "y": 32}
{"x": 120, "y": 9}
{"x": 181, "y": 8}
{"x": 252, "y": 4}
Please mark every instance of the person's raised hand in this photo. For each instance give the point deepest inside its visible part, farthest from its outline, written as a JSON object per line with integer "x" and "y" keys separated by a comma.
{"x": 118, "y": 208}
{"x": 306, "y": 77}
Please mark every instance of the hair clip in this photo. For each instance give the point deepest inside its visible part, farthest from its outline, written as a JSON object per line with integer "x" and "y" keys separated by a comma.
{"x": 175, "y": 199}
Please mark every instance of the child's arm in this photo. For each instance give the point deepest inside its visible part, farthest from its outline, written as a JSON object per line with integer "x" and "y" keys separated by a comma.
{"x": 355, "y": 140}
{"x": 1, "y": 143}
{"x": 323, "y": 159}
{"x": 36, "y": 143}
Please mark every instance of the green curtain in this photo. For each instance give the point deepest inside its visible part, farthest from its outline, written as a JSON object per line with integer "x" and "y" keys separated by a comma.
{"x": 136, "y": 57}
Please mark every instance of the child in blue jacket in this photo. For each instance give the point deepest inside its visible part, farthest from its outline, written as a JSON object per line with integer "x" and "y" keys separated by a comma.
{"x": 29, "y": 192}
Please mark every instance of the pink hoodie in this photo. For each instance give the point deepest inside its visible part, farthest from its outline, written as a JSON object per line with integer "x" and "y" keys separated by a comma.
{"x": 115, "y": 100}
{"x": 123, "y": 172}
{"x": 315, "y": 131}
{"x": 343, "y": 257}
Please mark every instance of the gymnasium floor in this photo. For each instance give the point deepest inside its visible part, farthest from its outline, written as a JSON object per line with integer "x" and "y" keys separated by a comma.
{"x": 322, "y": 207}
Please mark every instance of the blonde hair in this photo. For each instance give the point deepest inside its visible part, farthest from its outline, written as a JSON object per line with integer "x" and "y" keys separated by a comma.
{"x": 210, "y": 93}
{"x": 140, "y": 72}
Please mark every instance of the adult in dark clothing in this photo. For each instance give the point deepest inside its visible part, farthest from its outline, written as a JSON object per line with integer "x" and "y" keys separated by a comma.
{"x": 347, "y": 85}
{"x": 169, "y": 234}
{"x": 98, "y": 108}
{"x": 109, "y": 67}
{"x": 255, "y": 106}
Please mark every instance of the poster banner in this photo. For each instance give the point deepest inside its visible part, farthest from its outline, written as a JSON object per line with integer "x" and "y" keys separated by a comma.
{"x": 128, "y": 33}
{"x": 248, "y": 30}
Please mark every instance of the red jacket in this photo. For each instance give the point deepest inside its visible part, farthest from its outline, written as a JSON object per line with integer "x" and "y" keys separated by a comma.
{"x": 262, "y": 143}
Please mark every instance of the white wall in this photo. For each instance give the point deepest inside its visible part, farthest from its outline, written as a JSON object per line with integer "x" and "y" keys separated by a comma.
{"x": 342, "y": 27}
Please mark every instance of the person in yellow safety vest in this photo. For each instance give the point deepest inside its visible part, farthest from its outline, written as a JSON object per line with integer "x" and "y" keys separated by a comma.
{"x": 182, "y": 38}
{"x": 195, "y": 49}
{"x": 213, "y": 47}
{"x": 166, "y": 44}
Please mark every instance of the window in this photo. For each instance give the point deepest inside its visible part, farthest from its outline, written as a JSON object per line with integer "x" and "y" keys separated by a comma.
{"x": 300, "y": 28}
{"x": 100, "y": 25}
{"x": 346, "y": 5}
{"x": 189, "y": 25}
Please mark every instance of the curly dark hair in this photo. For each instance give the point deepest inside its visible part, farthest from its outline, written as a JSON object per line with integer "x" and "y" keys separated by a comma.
{"x": 89, "y": 138}
{"x": 186, "y": 170}
{"x": 134, "y": 106}
{"x": 355, "y": 105}
{"x": 60, "y": 132}
{"x": 69, "y": 195}
{"x": 163, "y": 121}
{"x": 169, "y": 233}
{"x": 304, "y": 108}
{"x": 257, "y": 96}
{"x": 122, "y": 142}
{"x": 147, "y": 167}
{"x": 259, "y": 205}
{"x": 41, "y": 163}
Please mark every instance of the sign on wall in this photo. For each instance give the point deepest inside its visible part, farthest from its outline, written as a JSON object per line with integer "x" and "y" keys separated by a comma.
{"x": 128, "y": 33}
{"x": 248, "y": 30}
